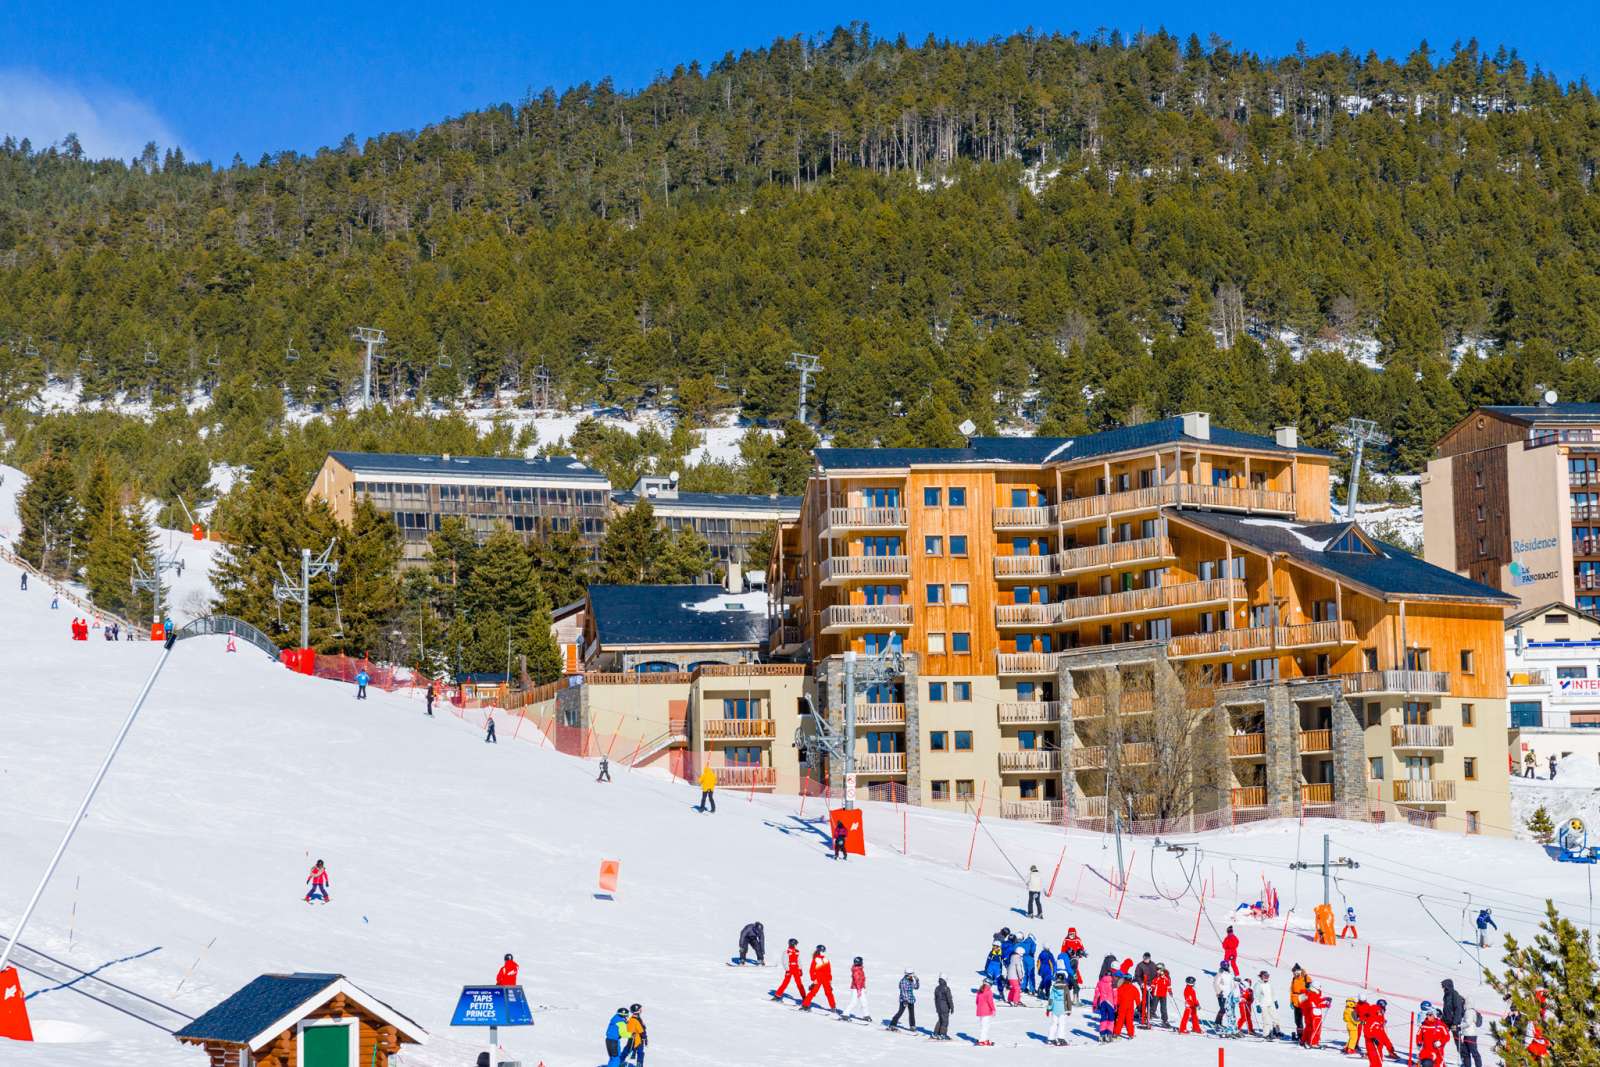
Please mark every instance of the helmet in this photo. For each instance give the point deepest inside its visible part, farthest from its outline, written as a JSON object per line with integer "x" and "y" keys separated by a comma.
{"x": 1350, "y": 1002}
{"x": 634, "y": 1008}
{"x": 822, "y": 948}
{"x": 856, "y": 962}
{"x": 793, "y": 941}
{"x": 1005, "y": 930}
{"x": 1072, "y": 931}
{"x": 1427, "y": 1007}
{"x": 1382, "y": 1003}
{"x": 508, "y": 957}
{"x": 906, "y": 970}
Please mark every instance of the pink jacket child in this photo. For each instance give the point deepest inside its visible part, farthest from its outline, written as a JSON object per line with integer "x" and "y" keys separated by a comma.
{"x": 1104, "y": 999}
{"x": 984, "y": 1012}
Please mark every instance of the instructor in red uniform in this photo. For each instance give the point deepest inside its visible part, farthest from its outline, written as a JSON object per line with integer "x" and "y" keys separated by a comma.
{"x": 508, "y": 972}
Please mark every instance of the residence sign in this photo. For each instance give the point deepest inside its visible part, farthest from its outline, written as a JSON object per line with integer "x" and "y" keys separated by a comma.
{"x": 1578, "y": 685}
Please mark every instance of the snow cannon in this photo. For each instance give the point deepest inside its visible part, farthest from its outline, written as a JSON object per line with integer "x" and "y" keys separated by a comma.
{"x": 1574, "y": 842}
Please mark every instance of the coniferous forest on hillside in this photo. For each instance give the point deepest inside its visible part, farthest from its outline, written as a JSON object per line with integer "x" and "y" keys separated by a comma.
{"x": 1062, "y": 232}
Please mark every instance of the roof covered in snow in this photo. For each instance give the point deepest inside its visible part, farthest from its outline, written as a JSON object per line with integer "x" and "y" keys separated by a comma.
{"x": 1386, "y": 570}
{"x": 691, "y": 615}
{"x": 1034, "y": 451}
{"x": 407, "y": 464}
{"x": 713, "y": 502}
{"x": 271, "y": 1003}
{"x": 1534, "y": 413}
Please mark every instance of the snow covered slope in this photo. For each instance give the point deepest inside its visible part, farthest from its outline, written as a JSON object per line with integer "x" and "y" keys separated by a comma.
{"x": 447, "y": 853}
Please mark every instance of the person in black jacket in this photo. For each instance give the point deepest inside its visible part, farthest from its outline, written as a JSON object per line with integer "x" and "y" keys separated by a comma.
{"x": 1453, "y": 1012}
{"x": 944, "y": 1002}
{"x": 753, "y": 938}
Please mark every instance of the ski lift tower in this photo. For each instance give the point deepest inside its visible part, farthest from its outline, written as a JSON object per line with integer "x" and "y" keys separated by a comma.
{"x": 807, "y": 366}
{"x": 840, "y": 744}
{"x": 374, "y": 339}
{"x": 287, "y": 591}
{"x": 1358, "y": 433}
{"x": 150, "y": 581}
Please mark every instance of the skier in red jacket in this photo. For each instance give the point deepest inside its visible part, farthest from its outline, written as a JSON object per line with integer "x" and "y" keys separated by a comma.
{"x": 508, "y": 972}
{"x": 821, "y": 978}
{"x": 1230, "y": 951}
{"x": 1432, "y": 1036}
{"x": 318, "y": 880}
{"x": 1313, "y": 1006}
{"x": 791, "y": 972}
{"x": 1191, "y": 1008}
{"x": 1371, "y": 1017}
{"x": 1128, "y": 1001}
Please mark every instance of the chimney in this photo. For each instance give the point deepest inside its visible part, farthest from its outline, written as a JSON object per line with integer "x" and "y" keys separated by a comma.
{"x": 1197, "y": 424}
{"x": 1288, "y": 437}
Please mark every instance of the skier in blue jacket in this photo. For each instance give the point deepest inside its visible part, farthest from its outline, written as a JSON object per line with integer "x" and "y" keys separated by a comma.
{"x": 617, "y": 1038}
{"x": 993, "y": 968}
{"x": 362, "y": 678}
{"x": 1485, "y": 921}
{"x": 1028, "y": 947}
{"x": 1047, "y": 971}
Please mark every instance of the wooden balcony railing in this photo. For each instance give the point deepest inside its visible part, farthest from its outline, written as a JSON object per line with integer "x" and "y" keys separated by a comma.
{"x": 1024, "y": 518}
{"x": 840, "y": 616}
{"x": 1029, "y": 711}
{"x": 1115, "y": 554}
{"x": 1027, "y": 614}
{"x": 881, "y": 714}
{"x": 842, "y": 568}
{"x": 1137, "y": 754}
{"x": 1137, "y": 701}
{"x": 1032, "y": 759}
{"x": 1220, "y": 643}
{"x": 1312, "y": 741}
{"x": 1424, "y": 791}
{"x": 1026, "y": 566}
{"x": 1423, "y": 735}
{"x": 792, "y": 589}
{"x": 858, "y": 518}
{"x": 1249, "y": 796}
{"x": 1092, "y": 808}
{"x": 881, "y": 763}
{"x": 746, "y": 776}
{"x": 740, "y": 729}
{"x": 1090, "y": 507}
{"x": 1088, "y": 757}
{"x": 1088, "y": 707}
{"x": 1317, "y": 793}
{"x": 1315, "y": 634}
{"x": 1155, "y": 598}
{"x": 1247, "y": 744}
{"x": 1026, "y": 662}
{"x": 1233, "y": 498}
{"x": 1437, "y": 682}
{"x": 1031, "y": 810}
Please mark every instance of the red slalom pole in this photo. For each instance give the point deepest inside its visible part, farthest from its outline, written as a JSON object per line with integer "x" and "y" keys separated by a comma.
{"x": 1053, "y": 874}
{"x": 971, "y": 848}
{"x": 1200, "y": 911}
{"x": 1411, "y": 1036}
{"x": 1281, "y": 939}
{"x": 1366, "y": 974}
{"x": 1081, "y": 872}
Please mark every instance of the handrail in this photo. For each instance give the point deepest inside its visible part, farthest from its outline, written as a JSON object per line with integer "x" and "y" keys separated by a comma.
{"x": 134, "y": 630}
{"x": 887, "y": 566}
{"x": 1115, "y": 553}
{"x": 230, "y": 626}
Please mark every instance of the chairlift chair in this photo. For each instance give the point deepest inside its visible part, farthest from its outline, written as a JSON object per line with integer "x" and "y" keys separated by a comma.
{"x": 215, "y": 358}
{"x": 150, "y": 357}
{"x": 289, "y": 354}
{"x": 86, "y": 356}
{"x": 444, "y": 360}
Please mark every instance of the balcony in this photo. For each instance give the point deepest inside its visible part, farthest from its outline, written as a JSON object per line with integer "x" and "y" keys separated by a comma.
{"x": 1586, "y": 546}
{"x": 842, "y": 617}
{"x": 1024, "y": 518}
{"x": 1220, "y": 497}
{"x": 1374, "y": 683}
{"x": 1232, "y": 498}
{"x": 881, "y": 763}
{"x": 1153, "y": 600}
{"x": 1315, "y": 741}
{"x": 1031, "y": 810}
{"x": 1424, "y": 791}
{"x": 1030, "y": 711}
{"x": 1316, "y": 634}
{"x": 1249, "y": 796}
{"x": 743, "y": 776}
{"x": 1257, "y": 639}
{"x": 842, "y": 520}
{"x": 1027, "y": 614}
{"x": 1316, "y": 793}
{"x": 1116, "y": 554}
{"x": 881, "y": 715}
{"x": 783, "y": 636}
{"x": 1246, "y": 746}
{"x": 836, "y": 570}
{"x": 1089, "y": 758}
{"x": 739, "y": 729}
{"x": 793, "y": 590}
{"x": 1424, "y": 735}
{"x": 1026, "y": 662}
{"x": 1137, "y": 702}
{"x": 1103, "y": 504}
{"x": 1586, "y": 582}
{"x": 1137, "y": 754}
{"x": 1030, "y": 759}
{"x": 1585, "y": 512}
{"x": 1088, "y": 707}
{"x": 1009, "y": 567}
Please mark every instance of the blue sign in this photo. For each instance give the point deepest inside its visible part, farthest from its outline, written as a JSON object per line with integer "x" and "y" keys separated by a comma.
{"x": 492, "y": 1005}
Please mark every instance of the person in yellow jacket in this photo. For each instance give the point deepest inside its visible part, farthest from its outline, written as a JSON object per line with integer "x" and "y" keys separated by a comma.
{"x": 1352, "y": 1027}
{"x": 1297, "y": 996}
{"x": 708, "y": 787}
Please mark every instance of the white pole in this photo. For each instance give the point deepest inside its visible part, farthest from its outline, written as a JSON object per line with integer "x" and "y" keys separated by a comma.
{"x": 83, "y": 808}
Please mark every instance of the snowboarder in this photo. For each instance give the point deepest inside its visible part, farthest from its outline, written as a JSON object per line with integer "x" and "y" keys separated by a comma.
{"x": 489, "y": 737}
{"x": 909, "y": 984}
{"x": 753, "y": 938}
{"x": 1313, "y": 1005}
{"x": 1485, "y": 921}
{"x": 605, "y": 770}
{"x": 1160, "y": 990}
{"x": 362, "y": 678}
{"x": 427, "y": 700}
{"x": 1191, "y": 1008}
{"x": 858, "y": 991}
{"x": 1035, "y": 894}
{"x": 1265, "y": 1005}
{"x": 708, "y": 788}
{"x": 1230, "y": 951}
{"x": 1349, "y": 925}
{"x": 617, "y": 1038}
{"x": 638, "y": 1036}
{"x": 840, "y": 836}
{"x": 791, "y": 971}
{"x": 821, "y": 978}
{"x": 1222, "y": 986}
{"x": 984, "y": 1010}
{"x": 1056, "y": 1011}
{"x": 508, "y": 972}
{"x": 318, "y": 879}
{"x": 1027, "y": 948}
{"x": 944, "y": 1004}
{"x": 1432, "y": 1036}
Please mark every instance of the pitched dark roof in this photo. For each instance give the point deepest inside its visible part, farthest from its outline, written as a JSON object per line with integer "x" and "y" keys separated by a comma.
{"x": 1532, "y": 413}
{"x": 1518, "y": 618}
{"x": 714, "y": 501}
{"x": 1037, "y": 450}
{"x": 665, "y": 615}
{"x": 562, "y": 468}
{"x": 1390, "y": 571}
{"x": 257, "y": 1006}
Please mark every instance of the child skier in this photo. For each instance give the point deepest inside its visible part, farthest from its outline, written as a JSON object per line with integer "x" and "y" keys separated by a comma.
{"x": 362, "y": 678}
{"x": 489, "y": 737}
{"x": 638, "y": 1036}
{"x": 605, "y": 770}
{"x": 1103, "y": 1002}
{"x": 944, "y": 1003}
{"x": 1349, "y": 925}
{"x": 427, "y": 700}
{"x": 1129, "y": 1000}
{"x": 1247, "y": 998}
{"x": 1432, "y": 1037}
{"x": 1056, "y": 1012}
{"x": 1352, "y": 1025}
{"x": 318, "y": 879}
{"x": 858, "y": 991}
{"x": 1222, "y": 986}
{"x": 993, "y": 967}
{"x": 791, "y": 971}
{"x": 908, "y": 1000}
{"x": 617, "y": 1038}
{"x": 1377, "y": 1037}
{"x": 1014, "y": 980}
{"x": 1160, "y": 990}
{"x": 1027, "y": 948}
{"x": 840, "y": 836}
{"x": 821, "y": 978}
{"x": 1313, "y": 1005}
{"x": 1191, "y": 1008}
{"x": 1047, "y": 972}
{"x": 984, "y": 1011}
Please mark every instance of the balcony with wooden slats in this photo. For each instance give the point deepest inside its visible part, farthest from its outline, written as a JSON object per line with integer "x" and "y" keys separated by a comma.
{"x": 1249, "y": 796}
{"x": 1396, "y": 682}
{"x": 1088, "y": 558}
{"x": 1088, "y": 757}
{"x": 1422, "y": 736}
{"x": 840, "y": 618}
{"x": 1254, "y": 640}
{"x": 1153, "y": 600}
{"x": 1424, "y": 791}
{"x": 1316, "y": 794}
{"x": 891, "y": 714}
{"x": 1030, "y": 760}
{"x": 1313, "y": 742}
{"x": 1020, "y": 712}
{"x": 1234, "y": 498}
{"x": 1218, "y": 497}
{"x": 1026, "y": 662}
{"x": 836, "y": 570}
{"x": 739, "y": 729}
{"x": 1031, "y": 810}
{"x": 1014, "y": 568}
{"x": 881, "y": 763}
{"x": 1036, "y": 518}
{"x": 1027, "y": 615}
{"x": 839, "y": 520}
{"x": 1247, "y": 746}
{"x": 746, "y": 776}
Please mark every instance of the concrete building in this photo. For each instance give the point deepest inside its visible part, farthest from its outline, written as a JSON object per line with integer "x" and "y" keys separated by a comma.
{"x": 1541, "y": 545}
{"x": 731, "y": 523}
{"x": 1160, "y": 619}
{"x": 1553, "y": 684}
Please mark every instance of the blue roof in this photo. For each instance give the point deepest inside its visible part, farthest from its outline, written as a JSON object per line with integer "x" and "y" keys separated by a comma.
{"x": 714, "y": 501}
{"x": 564, "y": 468}
{"x": 668, "y": 615}
{"x": 1037, "y": 450}
{"x": 1390, "y": 571}
{"x": 1546, "y": 412}
{"x": 243, "y": 1016}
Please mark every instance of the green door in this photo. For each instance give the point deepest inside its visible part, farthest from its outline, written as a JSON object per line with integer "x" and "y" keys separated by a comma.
{"x": 326, "y": 1046}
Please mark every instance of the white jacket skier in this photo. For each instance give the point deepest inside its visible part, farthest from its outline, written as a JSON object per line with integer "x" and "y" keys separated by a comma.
{"x": 1265, "y": 1004}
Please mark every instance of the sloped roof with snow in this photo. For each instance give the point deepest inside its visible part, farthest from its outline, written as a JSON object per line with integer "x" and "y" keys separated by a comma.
{"x": 1533, "y": 413}
{"x": 271, "y": 1003}
{"x": 512, "y": 468}
{"x": 677, "y": 615}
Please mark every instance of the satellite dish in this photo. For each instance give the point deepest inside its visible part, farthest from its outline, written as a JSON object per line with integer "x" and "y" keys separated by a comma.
{"x": 674, "y": 477}
{"x": 967, "y": 428}
{"x": 1550, "y": 396}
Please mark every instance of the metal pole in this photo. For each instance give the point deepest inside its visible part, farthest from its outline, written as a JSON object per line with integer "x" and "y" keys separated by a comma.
{"x": 1355, "y": 482}
{"x": 849, "y": 722}
{"x": 1122, "y": 873}
{"x": 83, "y": 808}
{"x": 366, "y": 378}
{"x": 1327, "y": 869}
{"x": 305, "y": 598}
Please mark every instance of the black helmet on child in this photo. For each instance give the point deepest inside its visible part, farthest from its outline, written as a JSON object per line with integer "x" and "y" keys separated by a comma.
{"x": 508, "y": 957}
{"x": 635, "y": 1008}
{"x": 856, "y": 962}
{"x": 822, "y": 948}
{"x": 793, "y": 941}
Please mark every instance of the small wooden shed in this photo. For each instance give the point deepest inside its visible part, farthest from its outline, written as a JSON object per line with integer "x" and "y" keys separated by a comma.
{"x": 301, "y": 1020}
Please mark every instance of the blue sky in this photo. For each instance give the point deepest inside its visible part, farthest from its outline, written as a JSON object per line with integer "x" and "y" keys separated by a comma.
{"x": 218, "y": 81}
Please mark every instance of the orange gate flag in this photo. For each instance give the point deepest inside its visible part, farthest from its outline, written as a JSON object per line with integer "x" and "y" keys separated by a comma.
{"x": 608, "y": 875}
{"x": 13, "y": 1008}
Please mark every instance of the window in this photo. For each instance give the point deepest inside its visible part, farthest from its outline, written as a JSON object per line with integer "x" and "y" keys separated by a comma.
{"x": 939, "y": 789}
{"x": 1472, "y": 822}
{"x": 1028, "y": 788}
{"x": 742, "y": 756}
{"x": 1466, "y": 661}
{"x": 958, "y": 590}
{"x": 1375, "y": 768}
{"x": 961, "y": 690}
{"x": 936, "y": 692}
{"x": 1370, "y": 656}
{"x": 958, "y": 496}
{"x": 1469, "y": 769}
{"x": 936, "y": 740}
{"x": 1467, "y": 716}
{"x": 930, "y": 496}
{"x": 936, "y": 644}
{"x": 1556, "y": 618}
{"x": 1572, "y": 672}
{"x": 741, "y": 708}
{"x": 1477, "y": 478}
{"x": 1374, "y": 714}
{"x": 1027, "y": 740}
{"x": 935, "y": 594}
{"x": 964, "y": 789}
{"x": 961, "y": 643}
{"x": 958, "y": 544}
{"x": 963, "y": 740}
{"x": 1527, "y": 713}
{"x": 933, "y": 546}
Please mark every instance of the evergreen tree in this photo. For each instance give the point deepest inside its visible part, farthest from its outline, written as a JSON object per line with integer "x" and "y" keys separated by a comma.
{"x": 1540, "y": 826}
{"x": 686, "y": 559}
{"x": 368, "y": 581}
{"x": 501, "y": 579}
{"x": 561, "y": 566}
{"x": 48, "y": 508}
{"x": 1551, "y": 982}
{"x": 539, "y": 645}
{"x": 633, "y": 547}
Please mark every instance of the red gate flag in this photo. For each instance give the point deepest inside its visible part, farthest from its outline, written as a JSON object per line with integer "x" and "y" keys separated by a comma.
{"x": 608, "y": 875}
{"x": 13, "y": 1008}
{"x": 855, "y": 834}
